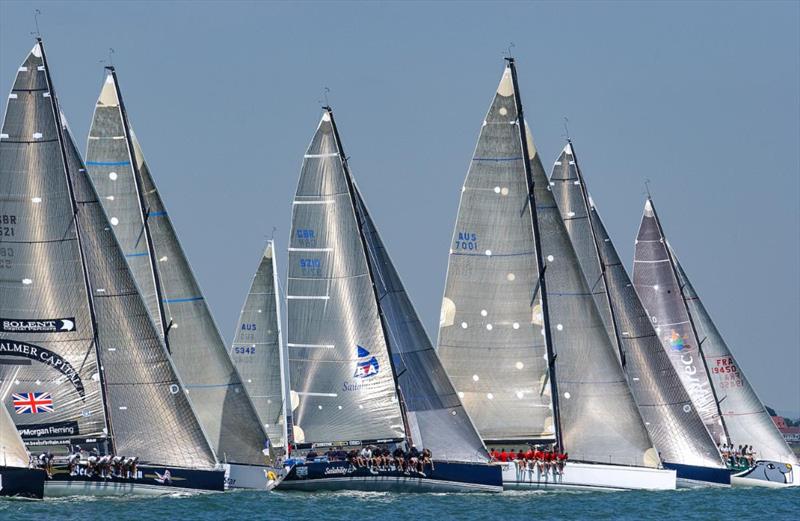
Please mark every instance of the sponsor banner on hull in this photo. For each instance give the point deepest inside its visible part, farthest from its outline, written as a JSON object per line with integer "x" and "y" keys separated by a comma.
{"x": 37, "y": 325}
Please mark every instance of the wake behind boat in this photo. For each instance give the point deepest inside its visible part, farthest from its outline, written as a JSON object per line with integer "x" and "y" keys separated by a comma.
{"x": 80, "y": 360}
{"x": 367, "y": 385}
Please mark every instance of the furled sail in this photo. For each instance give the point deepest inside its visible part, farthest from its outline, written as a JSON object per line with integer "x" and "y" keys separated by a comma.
{"x": 257, "y": 349}
{"x": 140, "y": 221}
{"x": 147, "y": 411}
{"x": 599, "y": 419}
{"x": 674, "y": 426}
{"x": 12, "y": 449}
{"x": 745, "y": 417}
{"x": 436, "y": 418}
{"x": 340, "y": 371}
{"x": 655, "y": 280}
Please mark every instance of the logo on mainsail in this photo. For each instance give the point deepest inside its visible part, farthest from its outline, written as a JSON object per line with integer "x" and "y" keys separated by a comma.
{"x": 32, "y": 403}
{"x": 367, "y": 365}
{"x": 677, "y": 342}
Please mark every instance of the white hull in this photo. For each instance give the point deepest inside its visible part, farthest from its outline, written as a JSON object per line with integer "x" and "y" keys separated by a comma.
{"x": 590, "y": 476}
{"x": 96, "y": 488}
{"x": 249, "y": 477}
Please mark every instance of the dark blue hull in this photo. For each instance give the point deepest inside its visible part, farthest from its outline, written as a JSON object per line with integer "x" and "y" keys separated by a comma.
{"x": 699, "y": 476}
{"x": 18, "y": 482}
{"x": 149, "y": 480}
{"x": 441, "y": 476}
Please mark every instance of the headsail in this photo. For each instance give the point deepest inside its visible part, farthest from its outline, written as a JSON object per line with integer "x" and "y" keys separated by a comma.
{"x": 340, "y": 371}
{"x": 257, "y": 349}
{"x": 745, "y": 417}
{"x": 436, "y": 418}
{"x": 12, "y": 450}
{"x": 144, "y": 229}
{"x": 674, "y": 426}
{"x": 148, "y": 413}
{"x": 599, "y": 419}
{"x": 655, "y": 280}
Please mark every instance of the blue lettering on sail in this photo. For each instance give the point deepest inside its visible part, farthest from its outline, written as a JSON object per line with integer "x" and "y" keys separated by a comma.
{"x": 466, "y": 241}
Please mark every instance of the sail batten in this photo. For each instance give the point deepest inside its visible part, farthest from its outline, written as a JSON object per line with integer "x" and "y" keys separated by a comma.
{"x": 176, "y": 304}
{"x": 674, "y": 426}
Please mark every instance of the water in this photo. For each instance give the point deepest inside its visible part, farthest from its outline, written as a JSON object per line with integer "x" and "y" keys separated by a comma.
{"x": 707, "y": 503}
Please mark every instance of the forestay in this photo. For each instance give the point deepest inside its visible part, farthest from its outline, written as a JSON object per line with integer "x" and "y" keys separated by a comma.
{"x": 340, "y": 372}
{"x": 436, "y": 418}
{"x": 654, "y": 278}
{"x": 745, "y": 417}
{"x": 145, "y": 231}
{"x": 149, "y": 415}
{"x": 257, "y": 351}
{"x": 673, "y": 424}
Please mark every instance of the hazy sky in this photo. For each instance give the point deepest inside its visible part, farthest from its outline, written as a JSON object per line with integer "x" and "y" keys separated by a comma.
{"x": 703, "y": 99}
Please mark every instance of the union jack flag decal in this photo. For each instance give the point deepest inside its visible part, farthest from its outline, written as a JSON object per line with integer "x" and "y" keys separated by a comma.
{"x": 32, "y": 403}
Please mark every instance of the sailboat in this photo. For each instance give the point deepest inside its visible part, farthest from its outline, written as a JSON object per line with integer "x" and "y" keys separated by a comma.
{"x": 676, "y": 429}
{"x": 144, "y": 229}
{"x": 363, "y": 372}
{"x": 519, "y": 332}
{"x": 16, "y": 477}
{"x": 708, "y": 369}
{"x": 259, "y": 353}
{"x": 81, "y": 363}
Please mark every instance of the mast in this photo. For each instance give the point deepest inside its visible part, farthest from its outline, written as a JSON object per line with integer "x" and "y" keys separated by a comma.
{"x": 589, "y": 209}
{"x": 143, "y": 212}
{"x": 84, "y": 272}
{"x": 551, "y": 357}
{"x": 689, "y": 314}
{"x": 352, "y": 191}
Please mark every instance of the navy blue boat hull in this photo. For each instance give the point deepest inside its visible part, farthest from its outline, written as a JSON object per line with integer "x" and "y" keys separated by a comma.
{"x": 698, "y": 476}
{"x": 149, "y": 480}
{"x": 442, "y": 476}
{"x": 18, "y": 482}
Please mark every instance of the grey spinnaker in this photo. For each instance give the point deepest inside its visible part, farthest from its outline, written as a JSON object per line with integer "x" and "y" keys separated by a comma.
{"x": 147, "y": 412}
{"x": 599, "y": 419}
{"x": 745, "y": 417}
{"x": 437, "y": 420}
{"x": 257, "y": 349}
{"x": 676, "y": 429}
{"x": 655, "y": 280}
{"x": 143, "y": 227}
{"x": 340, "y": 372}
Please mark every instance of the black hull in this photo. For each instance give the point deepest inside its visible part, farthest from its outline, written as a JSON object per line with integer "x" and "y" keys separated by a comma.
{"x": 148, "y": 481}
{"x": 700, "y": 475}
{"x": 440, "y": 477}
{"x": 18, "y": 482}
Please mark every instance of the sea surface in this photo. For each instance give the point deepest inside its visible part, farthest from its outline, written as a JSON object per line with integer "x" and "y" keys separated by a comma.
{"x": 707, "y": 504}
